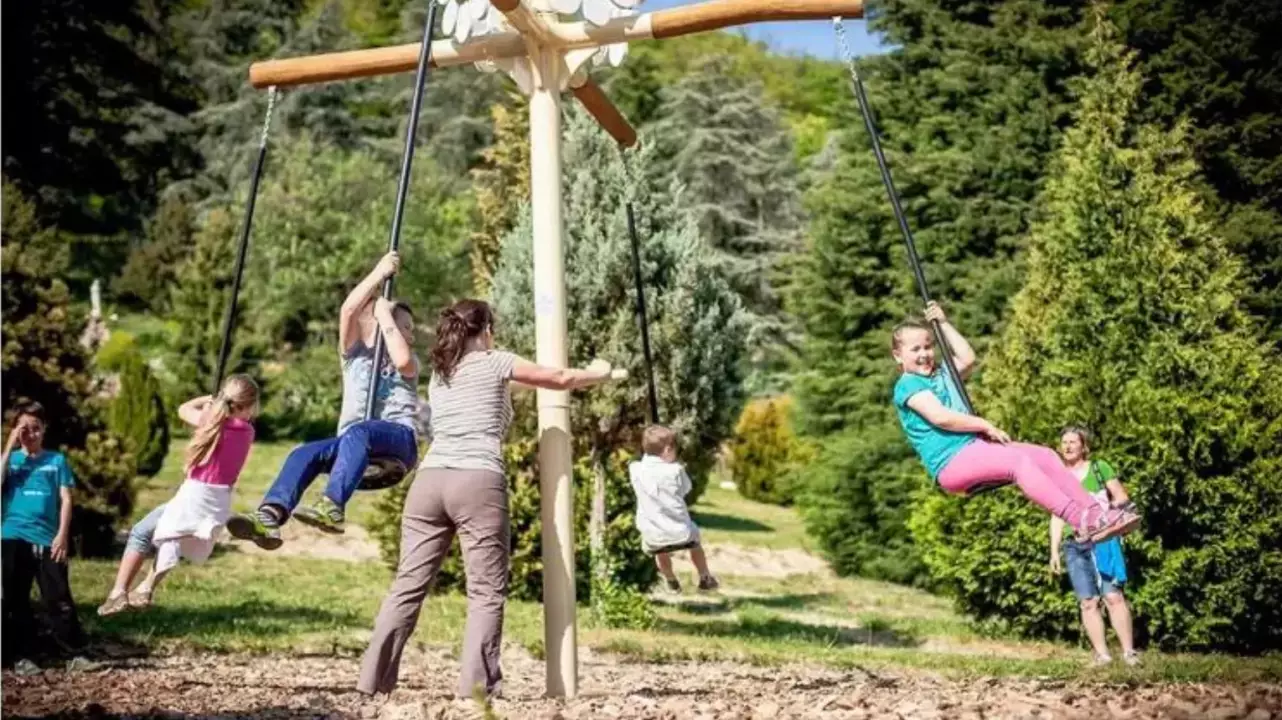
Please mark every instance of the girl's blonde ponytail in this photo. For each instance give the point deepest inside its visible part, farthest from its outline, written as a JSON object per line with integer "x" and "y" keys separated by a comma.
{"x": 238, "y": 393}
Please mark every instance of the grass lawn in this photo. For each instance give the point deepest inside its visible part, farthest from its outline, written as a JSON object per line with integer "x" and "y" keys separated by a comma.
{"x": 250, "y": 602}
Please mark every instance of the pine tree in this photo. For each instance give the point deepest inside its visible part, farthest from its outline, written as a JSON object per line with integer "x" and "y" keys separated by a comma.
{"x": 1217, "y": 64}
{"x": 44, "y": 362}
{"x": 137, "y": 413}
{"x": 199, "y": 302}
{"x": 732, "y": 153}
{"x": 696, "y": 326}
{"x": 501, "y": 186}
{"x": 152, "y": 265}
{"x": 1130, "y": 321}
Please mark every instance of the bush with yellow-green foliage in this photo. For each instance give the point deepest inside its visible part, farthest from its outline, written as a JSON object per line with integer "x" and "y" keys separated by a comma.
{"x": 765, "y": 452}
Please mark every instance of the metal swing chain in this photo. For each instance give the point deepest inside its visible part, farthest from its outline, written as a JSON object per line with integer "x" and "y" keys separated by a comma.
{"x": 256, "y": 174}
{"x": 267, "y": 119}
{"x": 844, "y": 46}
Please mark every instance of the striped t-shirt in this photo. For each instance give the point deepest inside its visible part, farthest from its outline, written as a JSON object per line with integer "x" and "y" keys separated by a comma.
{"x": 471, "y": 412}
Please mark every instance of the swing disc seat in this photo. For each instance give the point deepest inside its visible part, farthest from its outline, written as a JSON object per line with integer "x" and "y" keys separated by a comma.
{"x": 987, "y": 487}
{"x": 383, "y": 473}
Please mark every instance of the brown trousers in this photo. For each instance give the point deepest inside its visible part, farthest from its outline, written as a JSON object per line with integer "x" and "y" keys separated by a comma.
{"x": 440, "y": 503}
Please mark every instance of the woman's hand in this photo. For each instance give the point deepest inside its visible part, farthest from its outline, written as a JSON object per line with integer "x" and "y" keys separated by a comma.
{"x": 1056, "y": 566}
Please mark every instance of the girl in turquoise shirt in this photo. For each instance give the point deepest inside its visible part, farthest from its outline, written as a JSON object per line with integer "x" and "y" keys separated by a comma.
{"x": 963, "y": 451}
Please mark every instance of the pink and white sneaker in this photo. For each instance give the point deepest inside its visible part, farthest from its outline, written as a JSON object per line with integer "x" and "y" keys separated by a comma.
{"x": 1114, "y": 523}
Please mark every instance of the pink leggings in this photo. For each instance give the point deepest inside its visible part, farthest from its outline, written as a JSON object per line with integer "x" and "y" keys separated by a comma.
{"x": 1037, "y": 471}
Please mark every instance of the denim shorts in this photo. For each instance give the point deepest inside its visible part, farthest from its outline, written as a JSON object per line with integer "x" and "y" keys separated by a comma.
{"x": 1087, "y": 582}
{"x": 141, "y": 534}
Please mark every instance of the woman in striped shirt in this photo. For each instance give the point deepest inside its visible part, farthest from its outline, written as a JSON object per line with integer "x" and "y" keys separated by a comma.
{"x": 460, "y": 488}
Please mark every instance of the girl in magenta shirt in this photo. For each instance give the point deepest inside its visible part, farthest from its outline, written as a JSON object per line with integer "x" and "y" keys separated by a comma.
{"x": 189, "y": 524}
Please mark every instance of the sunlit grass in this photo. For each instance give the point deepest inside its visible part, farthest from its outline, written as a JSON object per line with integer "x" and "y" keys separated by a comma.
{"x": 250, "y": 602}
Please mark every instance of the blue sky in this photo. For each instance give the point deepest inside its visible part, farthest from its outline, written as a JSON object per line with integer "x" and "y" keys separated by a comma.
{"x": 797, "y": 38}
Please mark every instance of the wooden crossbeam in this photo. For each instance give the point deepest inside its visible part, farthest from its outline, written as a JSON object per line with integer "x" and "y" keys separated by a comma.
{"x": 673, "y": 22}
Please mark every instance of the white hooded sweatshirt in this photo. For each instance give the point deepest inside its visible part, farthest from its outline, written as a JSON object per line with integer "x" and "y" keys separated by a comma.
{"x": 662, "y": 516}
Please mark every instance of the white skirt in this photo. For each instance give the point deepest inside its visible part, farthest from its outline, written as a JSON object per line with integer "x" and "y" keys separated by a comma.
{"x": 191, "y": 523}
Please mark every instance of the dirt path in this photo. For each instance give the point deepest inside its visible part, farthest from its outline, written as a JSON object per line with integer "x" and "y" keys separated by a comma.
{"x": 314, "y": 687}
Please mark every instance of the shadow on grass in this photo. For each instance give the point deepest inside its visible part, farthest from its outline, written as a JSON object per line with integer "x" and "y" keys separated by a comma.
{"x": 774, "y": 628}
{"x": 728, "y": 523}
{"x": 134, "y": 632}
{"x": 718, "y": 605}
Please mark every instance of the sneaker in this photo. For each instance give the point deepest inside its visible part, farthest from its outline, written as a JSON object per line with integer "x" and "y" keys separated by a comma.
{"x": 673, "y": 586}
{"x": 113, "y": 604}
{"x": 1101, "y": 660}
{"x": 1115, "y": 523}
{"x": 25, "y": 667}
{"x": 708, "y": 583}
{"x": 1131, "y": 658}
{"x": 325, "y": 516}
{"x": 261, "y": 527}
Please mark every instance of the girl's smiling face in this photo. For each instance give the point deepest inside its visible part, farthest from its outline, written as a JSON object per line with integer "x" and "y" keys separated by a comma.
{"x": 915, "y": 350}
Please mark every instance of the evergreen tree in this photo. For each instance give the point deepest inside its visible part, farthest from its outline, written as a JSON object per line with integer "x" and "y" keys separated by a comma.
{"x": 1130, "y": 321}
{"x": 501, "y": 186}
{"x": 731, "y": 151}
{"x": 152, "y": 265}
{"x": 44, "y": 362}
{"x": 696, "y": 327}
{"x": 199, "y": 302}
{"x": 92, "y": 108}
{"x": 137, "y": 413}
{"x": 1218, "y": 64}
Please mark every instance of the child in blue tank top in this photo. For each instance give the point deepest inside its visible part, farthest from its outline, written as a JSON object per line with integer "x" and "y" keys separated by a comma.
{"x": 962, "y": 451}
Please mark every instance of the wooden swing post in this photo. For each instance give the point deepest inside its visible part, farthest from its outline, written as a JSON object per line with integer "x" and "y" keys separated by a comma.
{"x": 547, "y": 57}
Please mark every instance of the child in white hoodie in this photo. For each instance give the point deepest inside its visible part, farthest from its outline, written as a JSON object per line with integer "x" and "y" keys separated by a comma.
{"x": 661, "y": 484}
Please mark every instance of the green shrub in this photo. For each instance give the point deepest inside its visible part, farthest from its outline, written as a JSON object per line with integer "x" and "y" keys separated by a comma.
{"x": 302, "y": 395}
{"x": 631, "y": 567}
{"x": 765, "y": 453}
{"x": 137, "y": 412}
{"x": 43, "y": 361}
{"x": 1131, "y": 322}
{"x": 856, "y": 499}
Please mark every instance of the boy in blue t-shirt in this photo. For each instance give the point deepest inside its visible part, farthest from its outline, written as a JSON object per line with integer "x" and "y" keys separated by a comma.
{"x": 34, "y": 533}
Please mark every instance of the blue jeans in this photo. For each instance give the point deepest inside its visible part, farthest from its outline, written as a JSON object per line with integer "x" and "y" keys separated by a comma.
{"x": 344, "y": 458}
{"x": 1084, "y": 575}
{"x": 141, "y": 534}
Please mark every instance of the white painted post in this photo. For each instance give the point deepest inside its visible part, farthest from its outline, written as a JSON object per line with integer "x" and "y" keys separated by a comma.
{"x": 555, "y": 456}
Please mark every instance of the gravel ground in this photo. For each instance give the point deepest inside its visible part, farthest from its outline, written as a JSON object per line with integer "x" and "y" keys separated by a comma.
{"x": 274, "y": 686}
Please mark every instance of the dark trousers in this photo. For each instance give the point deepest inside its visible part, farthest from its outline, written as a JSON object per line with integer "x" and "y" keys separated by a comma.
{"x": 24, "y": 563}
{"x": 344, "y": 458}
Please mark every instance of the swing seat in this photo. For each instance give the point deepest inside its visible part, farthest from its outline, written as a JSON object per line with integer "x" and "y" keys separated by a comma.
{"x": 383, "y": 473}
{"x": 987, "y": 487}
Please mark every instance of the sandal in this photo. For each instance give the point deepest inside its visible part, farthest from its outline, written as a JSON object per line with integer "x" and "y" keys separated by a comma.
{"x": 114, "y": 604}
{"x": 140, "y": 598}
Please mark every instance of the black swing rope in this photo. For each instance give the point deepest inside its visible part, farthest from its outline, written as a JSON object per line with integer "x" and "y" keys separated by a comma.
{"x": 242, "y": 248}
{"x": 652, "y": 394}
{"x": 861, "y": 98}
{"x": 385, "y": 472}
